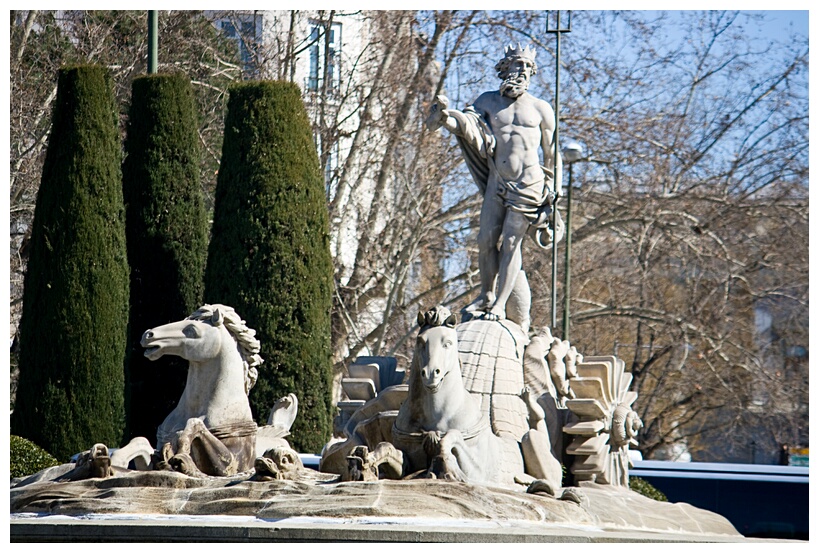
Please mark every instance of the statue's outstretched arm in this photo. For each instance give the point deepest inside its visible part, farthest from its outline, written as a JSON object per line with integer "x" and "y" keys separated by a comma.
{"x": 470, "y": 128}
{"x": 456, "y": 122}
{"x": 441, "y": 116}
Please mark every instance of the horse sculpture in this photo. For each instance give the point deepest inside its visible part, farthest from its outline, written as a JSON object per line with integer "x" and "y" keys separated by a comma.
{"x": 441, "y": 429}
{"x": 211, "y": 430}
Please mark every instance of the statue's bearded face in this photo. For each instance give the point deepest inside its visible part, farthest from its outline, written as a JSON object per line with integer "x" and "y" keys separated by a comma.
{"x": 516, "y": 78}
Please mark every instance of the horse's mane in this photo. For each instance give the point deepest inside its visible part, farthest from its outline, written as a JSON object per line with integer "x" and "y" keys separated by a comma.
{"x": 437, "y": 316}
{"x": 245, "y": 337}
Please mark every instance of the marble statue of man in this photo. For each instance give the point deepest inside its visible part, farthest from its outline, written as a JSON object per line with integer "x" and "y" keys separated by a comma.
{"x": 501, "y": 136}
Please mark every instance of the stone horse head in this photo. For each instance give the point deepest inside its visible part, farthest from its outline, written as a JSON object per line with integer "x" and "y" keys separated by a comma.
{"x": 436, "y": 348}
{"x": 210, "y": 332}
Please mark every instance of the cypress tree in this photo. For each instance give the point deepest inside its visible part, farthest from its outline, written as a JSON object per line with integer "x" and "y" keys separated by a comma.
{"x": 167, "y": 238}
{"x": 75, "y": 304}
{"x": 269, "y": 255}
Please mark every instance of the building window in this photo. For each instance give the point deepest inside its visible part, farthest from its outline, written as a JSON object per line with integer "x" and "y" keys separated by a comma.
{"x": 317, "y": 56}
{"x": 245, "y": 30}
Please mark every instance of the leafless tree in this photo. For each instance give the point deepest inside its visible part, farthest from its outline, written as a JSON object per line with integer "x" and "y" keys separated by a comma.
{"x": 692, "y": 223}
{"x": 692, "y": 217}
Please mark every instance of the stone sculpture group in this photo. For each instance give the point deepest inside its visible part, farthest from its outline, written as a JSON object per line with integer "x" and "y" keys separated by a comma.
{"x": 477, "y": 395}
{"x": 500, "y": 135}
{"x": 440, "y": 429}
{"x": 484, "y": 401}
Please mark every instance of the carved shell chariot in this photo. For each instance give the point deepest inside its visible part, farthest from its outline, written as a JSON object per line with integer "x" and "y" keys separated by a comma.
{"x": 491, "y": 354}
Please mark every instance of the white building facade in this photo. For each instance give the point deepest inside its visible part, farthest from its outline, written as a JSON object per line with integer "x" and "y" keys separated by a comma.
{"x": 340, "y": 62}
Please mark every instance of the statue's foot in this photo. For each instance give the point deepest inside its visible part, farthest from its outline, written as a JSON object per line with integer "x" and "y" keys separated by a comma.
{"x": 494, "y": 314}
{"x": 182, "y": 462}
{"x": 432, "y": 444}
{"x": 162, "y": 457}
{"x": 481, "y": 304}
{"x": 489, "y": 316}
{"x": 442, "y": 468}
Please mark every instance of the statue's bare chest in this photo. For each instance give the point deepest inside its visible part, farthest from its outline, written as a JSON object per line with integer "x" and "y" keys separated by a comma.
{"x": 514, "y": 117}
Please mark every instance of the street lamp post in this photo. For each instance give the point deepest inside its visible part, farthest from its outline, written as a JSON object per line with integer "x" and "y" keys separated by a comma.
{"x": 571, "y": 153}
{"x": 153, "y": 41}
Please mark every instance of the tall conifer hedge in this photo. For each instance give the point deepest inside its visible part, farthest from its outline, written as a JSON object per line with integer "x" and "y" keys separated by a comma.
{"x": 75, "y": 304}
{"x": 269, "y": 254}
{"x": 167, "y": 238}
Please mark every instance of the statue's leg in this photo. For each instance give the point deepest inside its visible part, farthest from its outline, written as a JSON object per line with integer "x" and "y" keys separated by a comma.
{"x": 162, "y": 457}
{"x": 184, "y": 439}
{"x": 514, "y": 230}
{"x": 138, "y": 450}
{"x": 537, "y": 415}
{"x": 536, "y": 446}
{"x": 556, "y": 359}
{"x": 491, "y": 224}
{"x": 209, "y": 455}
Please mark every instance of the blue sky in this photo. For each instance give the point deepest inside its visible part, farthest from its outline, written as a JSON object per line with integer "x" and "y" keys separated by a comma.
{"x": 780, "y": 20}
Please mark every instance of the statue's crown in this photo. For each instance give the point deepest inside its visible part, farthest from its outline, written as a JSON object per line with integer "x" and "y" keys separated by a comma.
{"x": 512, "y": 52}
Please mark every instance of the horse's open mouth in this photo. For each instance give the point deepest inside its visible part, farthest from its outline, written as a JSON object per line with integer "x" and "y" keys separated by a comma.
{"x": 150, "y": 352}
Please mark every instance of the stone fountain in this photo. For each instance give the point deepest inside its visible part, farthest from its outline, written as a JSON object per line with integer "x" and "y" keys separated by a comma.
{"x": 495, "y": 432}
